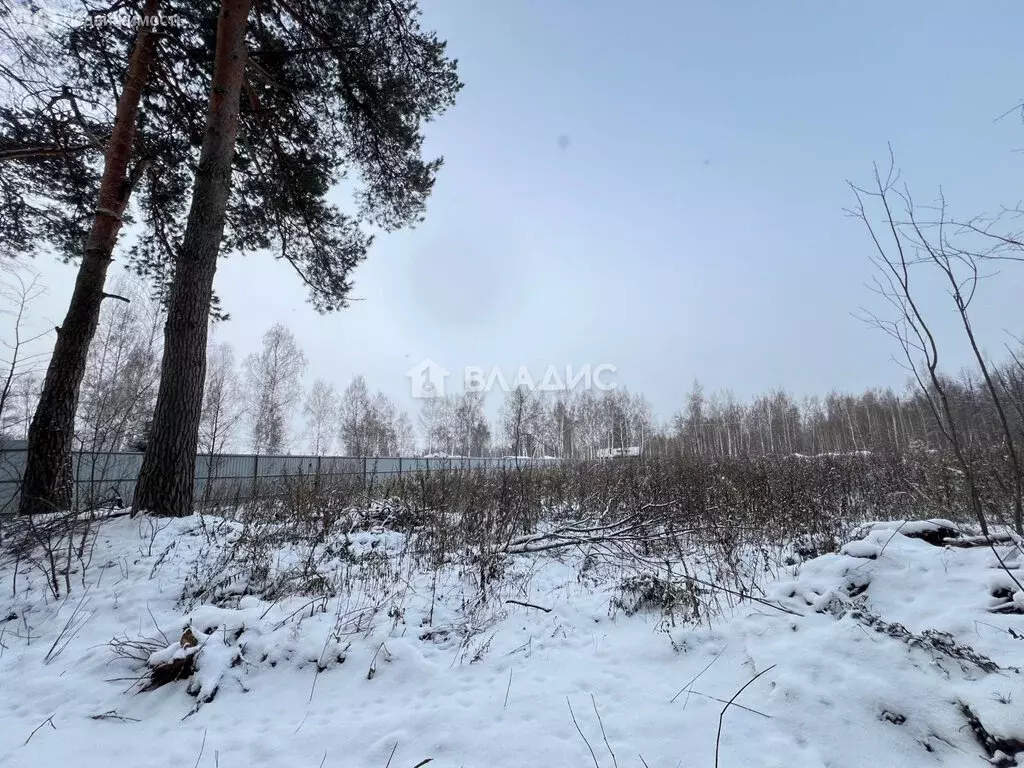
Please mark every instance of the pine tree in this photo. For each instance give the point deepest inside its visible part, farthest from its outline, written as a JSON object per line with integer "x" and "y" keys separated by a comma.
{"x": 329, "y": 86}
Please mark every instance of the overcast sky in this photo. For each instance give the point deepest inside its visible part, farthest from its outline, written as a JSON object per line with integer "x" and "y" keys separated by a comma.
{"x": 660, "y": 186}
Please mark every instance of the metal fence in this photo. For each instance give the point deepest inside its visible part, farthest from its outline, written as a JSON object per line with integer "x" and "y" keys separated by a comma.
{"x": 100, "y": 478}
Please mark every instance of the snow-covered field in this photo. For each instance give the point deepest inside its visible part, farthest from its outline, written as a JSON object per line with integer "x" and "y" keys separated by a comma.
{"x": 406, "y": 664}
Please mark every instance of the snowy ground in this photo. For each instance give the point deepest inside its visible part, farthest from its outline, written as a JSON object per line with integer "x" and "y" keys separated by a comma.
{"x": 405, "y": 667}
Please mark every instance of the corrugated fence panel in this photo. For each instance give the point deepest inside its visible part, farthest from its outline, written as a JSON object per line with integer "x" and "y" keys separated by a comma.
{"x": 380, "y": 465}
{"x": 110, "y": 478}
{"x": 225, "y": 478}
{"x": 286, "y": 466}
{"x": 105, "y": 477}
{"x": 12, "y": 463}
{"x": 334, "y": 466}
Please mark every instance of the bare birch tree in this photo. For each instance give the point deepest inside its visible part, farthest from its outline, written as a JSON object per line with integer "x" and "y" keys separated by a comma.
{"x": 19, "y": 365}
{"x": 367, "y": 423}
{"x": 405, "y": 435}
{"x": 321, "y": 413}
{"x": 223, "y": 401}
{"x": 522, "y": 419}
{"x": 121, "y": 373}
{"x": 274, "y": 384}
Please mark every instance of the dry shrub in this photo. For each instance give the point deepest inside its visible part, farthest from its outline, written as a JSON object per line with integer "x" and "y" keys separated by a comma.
{"x": 57, "y": 546}
{"x": 727, "y": 521}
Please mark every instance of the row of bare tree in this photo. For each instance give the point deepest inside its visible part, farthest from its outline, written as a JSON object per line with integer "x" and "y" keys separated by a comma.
{"x": 252, "y": 406}
{"x": 249, "y": 407}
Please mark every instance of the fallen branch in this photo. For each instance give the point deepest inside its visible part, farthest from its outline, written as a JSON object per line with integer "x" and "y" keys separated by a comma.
{"x": 580, "y": 732}
{"x": 744, "y": 595}
{"x": 738, "y": 706}
{"x": 697, "y": 677}
{"x": 624, "y": 529}
{"x": 201, "y": 748}
{"x": 604, "y": 736}
{"x": 47, "y": 720}
{"x": 721, "y": 715}
{"x": 112, "y": 715}
{"x": 529, "y": 605}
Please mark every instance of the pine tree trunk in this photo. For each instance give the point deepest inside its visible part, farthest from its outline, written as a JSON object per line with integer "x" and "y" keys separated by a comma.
{"x": 46, "y": 480}
{"x": 167, "y": 480}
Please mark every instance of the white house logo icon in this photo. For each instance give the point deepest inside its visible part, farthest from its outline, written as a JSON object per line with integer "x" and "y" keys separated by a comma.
{"x": 426, "y": 379}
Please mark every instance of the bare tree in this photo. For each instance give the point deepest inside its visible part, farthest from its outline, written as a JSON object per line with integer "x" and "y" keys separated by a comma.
{"x": 273, "y": 380}
{"x": 471, "y": 434}
{"x": 19, "y": 366}
{"x": 121, "y": 373}
{"x": 222, "y": 414}
{"x": 563, "y": 420}
{"x": 321, "y": 415}
{"x": 383, "y": 435}
{"x": 689, "y": 425}
{"x": 522, "y": 419}
{"x": 589, "y": 418}
{"x": 367, "y": 423}
{"x": 959, "y": 267}
{"x": 897, "y": 256}
{"x": 19, "y": 406}
{"x": 354, "y": 417}
{"x": 456, "y": 424}
{"x": 405, "y": 435}
{"x": 223, "y": 402}
{"x": 437, "y": 424}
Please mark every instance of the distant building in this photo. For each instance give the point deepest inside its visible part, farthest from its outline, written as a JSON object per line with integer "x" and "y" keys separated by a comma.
{"x": 617, "y": 453}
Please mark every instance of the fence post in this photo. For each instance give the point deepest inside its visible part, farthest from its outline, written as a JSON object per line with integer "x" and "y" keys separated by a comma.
{"x": 399, "y": 466}
{"x": 255, "y": 474}
{"x": 366, "y": 477}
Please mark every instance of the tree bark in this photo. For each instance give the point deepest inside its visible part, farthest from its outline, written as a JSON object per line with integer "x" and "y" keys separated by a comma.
{"x": 46, "y": 480}
{"x": 167, "y": 480}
